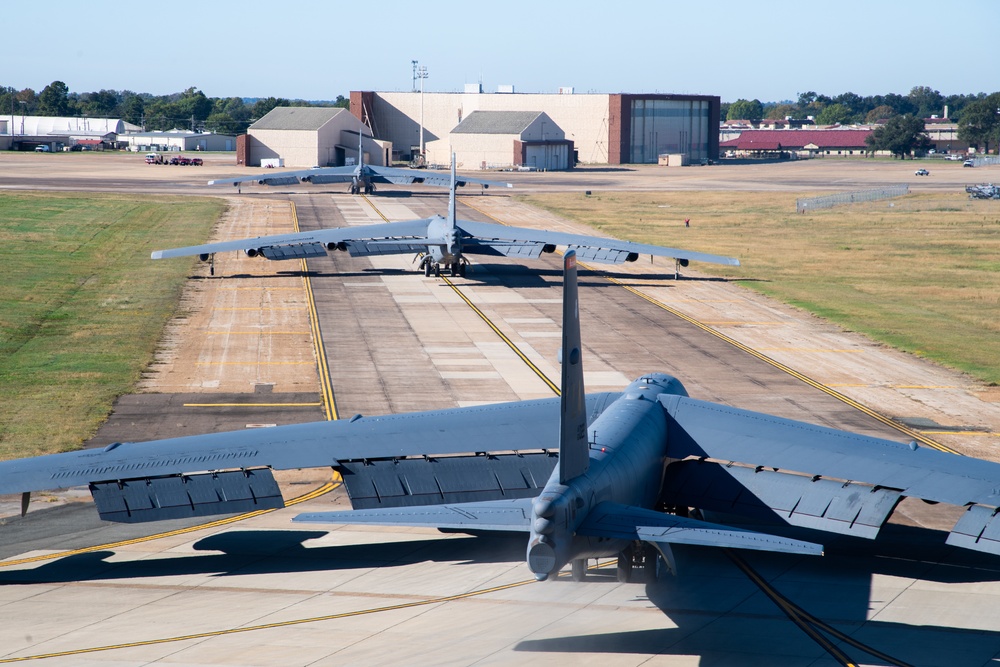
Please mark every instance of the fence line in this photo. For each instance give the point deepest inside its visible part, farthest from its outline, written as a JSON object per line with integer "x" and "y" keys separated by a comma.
{"x": 803, "y": 205}
{"x": 985, "y": 160}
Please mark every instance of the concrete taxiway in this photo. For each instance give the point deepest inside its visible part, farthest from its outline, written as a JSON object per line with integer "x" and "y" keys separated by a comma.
{"x": 262, "y": 591}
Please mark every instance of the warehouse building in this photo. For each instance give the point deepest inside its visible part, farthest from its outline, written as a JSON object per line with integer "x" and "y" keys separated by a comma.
{"x": 602, "y": 128}
{"x": 177, "y": 140}
{"x": 499, "y": 139}
{"x": 308, "y": 137}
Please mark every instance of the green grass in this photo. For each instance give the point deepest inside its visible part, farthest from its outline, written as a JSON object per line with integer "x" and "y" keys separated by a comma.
{"x": 82, "y": 306}
{"x": 920, "y": 273}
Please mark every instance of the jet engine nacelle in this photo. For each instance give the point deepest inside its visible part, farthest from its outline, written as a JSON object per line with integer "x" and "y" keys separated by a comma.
{"x": 253, "y": 252}
{"x": 548, "y": 248}
{"x": 682, "y": 262}
{"x": 204, "y": 256}
{"x": 632, "y": 256}
{"x": 341, "y": 246}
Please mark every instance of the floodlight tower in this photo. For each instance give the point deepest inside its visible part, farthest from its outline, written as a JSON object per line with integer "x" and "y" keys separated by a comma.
{"x": 422, "y": 74}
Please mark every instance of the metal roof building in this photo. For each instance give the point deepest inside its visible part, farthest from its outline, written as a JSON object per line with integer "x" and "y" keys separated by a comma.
{"x": 502, "y": 139}
{"x": 307, "y": 137}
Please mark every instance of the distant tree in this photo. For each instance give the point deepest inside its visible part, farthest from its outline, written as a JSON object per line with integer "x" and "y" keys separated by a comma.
{"x": 780, "y": 111}
{"x": 745, "y": 110}
{"x": 834, "y": 113}
{"x": 54, "y": 100}
{"x": 881, "y": 112}
{"x": 926, "y": 101}
{"x": 980, "y": 123}
{"x": 855, "y": 103}
{"x": 262, "y": 107}
{"x": 132, "y": 108}
{"x": 342, "y": 102}
{"x": 900, "y": 136}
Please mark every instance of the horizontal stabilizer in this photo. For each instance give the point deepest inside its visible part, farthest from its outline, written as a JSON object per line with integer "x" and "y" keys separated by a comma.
{"x": 616, "y": 521}
{"x": 500, "y": 515}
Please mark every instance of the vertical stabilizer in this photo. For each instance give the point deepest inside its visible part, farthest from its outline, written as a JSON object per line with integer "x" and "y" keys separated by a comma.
{"x": 574, "y": 452}
{"x": 451, "y": 197}
{"x": 361, "y": 149}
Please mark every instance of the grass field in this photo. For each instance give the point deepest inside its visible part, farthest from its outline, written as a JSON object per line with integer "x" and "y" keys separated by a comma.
{"x": 920, "y": 273}
{"x": 83, "y": 306}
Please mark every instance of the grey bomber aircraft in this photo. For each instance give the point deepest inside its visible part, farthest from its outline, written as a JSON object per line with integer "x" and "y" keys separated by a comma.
{"x": 361, "y": 176}
{"x": 440, "y": 241}
{"x": 581, "y": 475}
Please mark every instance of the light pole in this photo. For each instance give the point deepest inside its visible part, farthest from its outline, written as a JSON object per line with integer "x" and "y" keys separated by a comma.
{"x": 22, "y": 119}
{"x": 422, "y": 74}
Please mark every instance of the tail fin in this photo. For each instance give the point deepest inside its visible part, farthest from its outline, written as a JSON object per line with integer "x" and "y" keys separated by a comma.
{"x": 574, "y": 451}
{"x": 361, "y": 148}
{"x": 451, "y": 198}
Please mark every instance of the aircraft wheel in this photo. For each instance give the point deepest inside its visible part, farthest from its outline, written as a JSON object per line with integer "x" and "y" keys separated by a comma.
{"x": 461, "y": 269}
{"x": 427, "y": 269}
{"x": 437, "y": 270}
{"x": 454, "y": 269}
{"x": 625, "y": 566}
{"x": 579, "y": 571}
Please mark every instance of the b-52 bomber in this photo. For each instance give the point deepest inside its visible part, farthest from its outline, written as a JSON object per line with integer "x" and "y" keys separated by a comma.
{"x": 361, "y": 176}
{"x": 441, "y": 242}
{"x": 612, "y": 474}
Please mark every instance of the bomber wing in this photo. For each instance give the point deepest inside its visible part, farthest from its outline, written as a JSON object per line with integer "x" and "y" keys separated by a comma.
{"x": 756, "y": 464}
{"x": 321, "y": 175}
{"x": 484, "y": 452}
{"x": 501, "y": 239}
{"x": 315, "y": 243}
{"x": 316, "y": 175}
{"x": 438, "y": 178}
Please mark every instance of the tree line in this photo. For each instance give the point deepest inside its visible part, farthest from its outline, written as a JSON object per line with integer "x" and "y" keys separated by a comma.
{"x": 187, "y": 110}
{"x": 977, "y": 115}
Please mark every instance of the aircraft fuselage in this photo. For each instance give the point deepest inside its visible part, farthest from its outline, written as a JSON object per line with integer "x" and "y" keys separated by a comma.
{"x": 628, "y": 452}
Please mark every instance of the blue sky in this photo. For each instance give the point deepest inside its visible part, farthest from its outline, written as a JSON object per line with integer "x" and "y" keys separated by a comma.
{"x": 317, "y": 50}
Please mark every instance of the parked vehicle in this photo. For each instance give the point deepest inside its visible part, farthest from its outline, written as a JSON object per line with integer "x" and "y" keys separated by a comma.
{"x": 154, "y": 158}
{"x": 922, "y": 172}
{"x": 968, "y": 163}
{"x": 197, "y": 162}
{"x": 44, "y": 148}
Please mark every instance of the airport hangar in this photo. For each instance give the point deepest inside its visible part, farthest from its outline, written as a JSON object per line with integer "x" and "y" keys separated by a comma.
{"x": 492, "y": 130}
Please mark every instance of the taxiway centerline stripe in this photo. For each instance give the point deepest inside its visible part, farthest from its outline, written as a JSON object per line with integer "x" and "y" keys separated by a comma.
{"x": 487, "y": 320}
{"x": 503, "y": 337}
{"x": 322, "y": 363}
{"x": 269, "y": 626}
{"x": 749, "y": 350}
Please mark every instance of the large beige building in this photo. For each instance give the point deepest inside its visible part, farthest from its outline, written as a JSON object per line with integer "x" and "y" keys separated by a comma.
{"x": 309, "y": 137}
{"x": 603, "y": 128}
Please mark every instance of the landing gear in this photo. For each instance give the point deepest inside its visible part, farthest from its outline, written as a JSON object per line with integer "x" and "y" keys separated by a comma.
{"x": 427, "y": 269}
{"x": 354, "y": 189}
{"x": 455, "y": 268}
{"x": 638, "y": 556}
{"x": 579, "y": 569}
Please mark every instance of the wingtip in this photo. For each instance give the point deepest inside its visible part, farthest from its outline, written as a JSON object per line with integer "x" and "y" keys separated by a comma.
{"x": 156, "y": 254}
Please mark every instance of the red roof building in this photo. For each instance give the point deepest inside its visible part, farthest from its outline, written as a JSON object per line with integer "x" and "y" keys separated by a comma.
{"x": 805, "y": 142}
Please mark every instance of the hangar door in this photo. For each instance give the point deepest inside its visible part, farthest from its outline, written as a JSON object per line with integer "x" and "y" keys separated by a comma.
{"x": 547, "y": 156}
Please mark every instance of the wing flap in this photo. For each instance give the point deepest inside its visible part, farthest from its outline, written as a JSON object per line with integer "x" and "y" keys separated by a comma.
{"x": 842, "y": 507}
{"x": 182, "y": 496}
{"x": 434, "y": 481}
{"x": 978, "y": 529}
{"x": 615, "y": 521}
{"x": 509, "y": 515}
